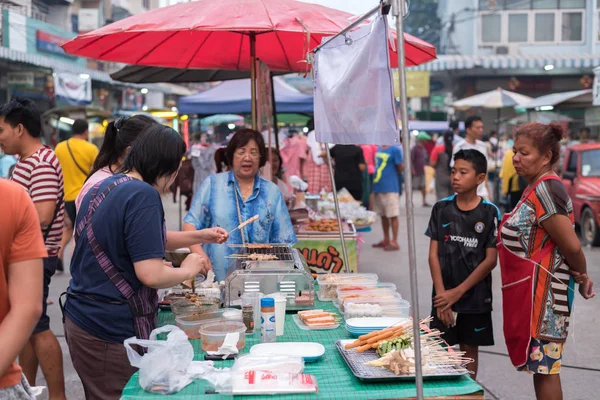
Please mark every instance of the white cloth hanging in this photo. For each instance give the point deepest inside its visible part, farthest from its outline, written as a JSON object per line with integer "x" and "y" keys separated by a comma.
{"x": 353, "y": 87}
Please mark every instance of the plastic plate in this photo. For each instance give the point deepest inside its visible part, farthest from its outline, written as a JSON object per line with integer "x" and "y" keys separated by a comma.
{"x": 307, "y": 350}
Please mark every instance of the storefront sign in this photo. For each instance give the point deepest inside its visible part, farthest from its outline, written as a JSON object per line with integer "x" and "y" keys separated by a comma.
{"x": 417, "y": 84}
{"x": 436, "y": 101}
{"x": 49, "y": 43}
{"x": 73, "y": 88}
{"x": 596, "y": 87}
{"x": 20, "y": 79}
{"x": 88, "y": 19}
{"x": 325, "y": 255}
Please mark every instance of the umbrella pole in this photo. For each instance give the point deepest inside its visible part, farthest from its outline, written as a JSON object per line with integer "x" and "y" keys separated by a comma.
{"x": 253, "y": 79}
{"x": 337, "y": 212}
{"x": 275, "y": 127}
{"x": 398, "y": 8}
{"x": 498, "y": 113}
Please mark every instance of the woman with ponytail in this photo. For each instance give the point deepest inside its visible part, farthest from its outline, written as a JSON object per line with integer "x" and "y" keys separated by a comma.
{"x": 540, "y": 260}
{"x": 119, "y": 136}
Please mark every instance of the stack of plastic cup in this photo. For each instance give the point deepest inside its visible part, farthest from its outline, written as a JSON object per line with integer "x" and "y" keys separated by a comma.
{"x": 280, "y": 308}
{"x": 254, "y": 299}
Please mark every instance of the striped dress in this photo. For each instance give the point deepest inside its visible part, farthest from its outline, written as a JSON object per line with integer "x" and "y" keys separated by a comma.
{"x": 41, "y": 175}
{"x": 523, "y": 235}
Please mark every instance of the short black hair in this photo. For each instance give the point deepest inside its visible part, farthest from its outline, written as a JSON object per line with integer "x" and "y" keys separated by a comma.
{"x": 80, "y": 126}
{"x": 475, "y": 157}
{"x": 453, "y": 125}
{"x": 23, "y": 111}
{"x": 242, "y": 138}
{"x": 470, "y": 120}
{"x": 156, "y": 152}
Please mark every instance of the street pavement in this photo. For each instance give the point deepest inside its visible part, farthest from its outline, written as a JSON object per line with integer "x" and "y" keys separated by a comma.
{"x": 581, "y": 366}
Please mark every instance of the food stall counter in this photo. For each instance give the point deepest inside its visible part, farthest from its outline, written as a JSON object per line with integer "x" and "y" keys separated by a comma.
{"x": 334, "y": 378}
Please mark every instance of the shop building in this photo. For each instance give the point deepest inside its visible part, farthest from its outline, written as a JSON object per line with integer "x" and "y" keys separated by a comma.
{"x": 533, "y": 47}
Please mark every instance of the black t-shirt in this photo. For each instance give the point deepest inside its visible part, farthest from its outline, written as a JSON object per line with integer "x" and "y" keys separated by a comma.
{"x": 463, "y": 238}
{"x": 347, "y": 158}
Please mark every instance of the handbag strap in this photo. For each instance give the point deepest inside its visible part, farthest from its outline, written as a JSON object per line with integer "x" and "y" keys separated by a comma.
{"x": 74, "y": 160}
{"x": 59, "y": 202}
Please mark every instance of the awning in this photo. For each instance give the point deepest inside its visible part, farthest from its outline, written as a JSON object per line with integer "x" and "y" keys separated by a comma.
{"x": 145, "y": 74}
{"x": 233, "y": 97}
{"x": 62, "y": 66}
{"x": 448, "y": 63}
{"x": 583, "y": 97}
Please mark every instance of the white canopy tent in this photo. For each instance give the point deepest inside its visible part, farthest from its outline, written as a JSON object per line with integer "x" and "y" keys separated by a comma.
{"x": 550, "y": 101}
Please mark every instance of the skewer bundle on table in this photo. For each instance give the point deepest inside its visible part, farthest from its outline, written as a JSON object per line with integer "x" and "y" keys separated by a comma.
{"x": 395, "y": 345}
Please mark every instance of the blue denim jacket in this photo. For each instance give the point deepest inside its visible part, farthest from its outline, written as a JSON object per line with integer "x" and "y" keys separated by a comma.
{"x": 214, "y": 205}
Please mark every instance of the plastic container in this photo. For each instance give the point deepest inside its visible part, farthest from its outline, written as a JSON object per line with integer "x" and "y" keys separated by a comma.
{"x": 328, "y": 283}
{"x": 354, "y": 289}
{"x": 267, "y": 320}
{"x": 213, "y": 335}
{"x": 185, "y": 307}
{"x": 385, "y": 295}
{"x": 374, "y": 308}
{"x": 192, "y": 323}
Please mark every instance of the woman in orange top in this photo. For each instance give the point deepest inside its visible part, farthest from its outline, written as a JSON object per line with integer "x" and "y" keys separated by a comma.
{"x": 540, "y": 259}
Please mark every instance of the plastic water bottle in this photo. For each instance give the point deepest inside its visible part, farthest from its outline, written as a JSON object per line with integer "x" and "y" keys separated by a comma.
{"x": 267, "y": 319}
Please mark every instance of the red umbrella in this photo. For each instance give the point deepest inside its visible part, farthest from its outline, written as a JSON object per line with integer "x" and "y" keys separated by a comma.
{"x": 219, "y": 34}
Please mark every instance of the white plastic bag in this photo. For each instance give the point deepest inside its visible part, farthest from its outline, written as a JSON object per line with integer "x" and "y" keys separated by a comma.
{"x": 354, "y": 96}
{"x": 164, "y": 368}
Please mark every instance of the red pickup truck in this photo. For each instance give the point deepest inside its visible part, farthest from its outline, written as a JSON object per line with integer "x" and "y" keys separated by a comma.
{"x": 581, "y": 177}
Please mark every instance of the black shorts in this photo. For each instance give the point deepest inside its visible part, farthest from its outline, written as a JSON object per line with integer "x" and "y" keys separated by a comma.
{"x": 470, "y": 329}
{"x": 71, "y": 211}
{"x": 49, "y": 270}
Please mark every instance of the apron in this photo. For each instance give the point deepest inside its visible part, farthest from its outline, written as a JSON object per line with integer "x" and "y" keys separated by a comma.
{"x": 518, "y": 279}
{"x": 143, "y": 304}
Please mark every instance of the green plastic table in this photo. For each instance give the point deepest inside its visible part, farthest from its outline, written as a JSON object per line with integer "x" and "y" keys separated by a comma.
{"x": 333, "y": 376}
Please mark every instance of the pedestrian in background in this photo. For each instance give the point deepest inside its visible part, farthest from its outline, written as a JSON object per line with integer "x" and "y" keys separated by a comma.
{"x": 7, "y": 163}
{"x": 22, "y": 251}
{"x": 512, "y": 184}
{"x": 418, "y": 156}
{"x": 202, "y": 154}
{"x": 440, "y": 161}
{"x": 38, "y": 171}
{"x": 474, "y": 130}
{"x": 454, "y": 127}
{"x": 316, "y": 171}
{"x": 76, "y": 156}
{"x": 386, "y": 194}
{"x": 369, "y": 151}
{"x": 293, "y": 154}
{"x": 538, "y": 244}
{"x": 348, "y": 168}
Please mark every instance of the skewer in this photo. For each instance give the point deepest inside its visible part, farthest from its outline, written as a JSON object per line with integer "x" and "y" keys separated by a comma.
{"x": 243, "y": 224}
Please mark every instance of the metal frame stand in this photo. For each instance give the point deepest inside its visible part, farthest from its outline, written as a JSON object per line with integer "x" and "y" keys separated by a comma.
{"x": 399, "y": 10}
{"x": 337, "y": 212}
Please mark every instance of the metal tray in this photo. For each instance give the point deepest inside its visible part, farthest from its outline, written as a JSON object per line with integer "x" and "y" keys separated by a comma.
{"x": 356, "y": 363}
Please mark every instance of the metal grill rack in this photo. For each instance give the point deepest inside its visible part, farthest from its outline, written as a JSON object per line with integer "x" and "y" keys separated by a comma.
{"x": 283, "y": 252}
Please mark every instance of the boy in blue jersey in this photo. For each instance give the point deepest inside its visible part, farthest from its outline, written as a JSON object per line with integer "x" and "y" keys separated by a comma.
{"x": 463, "y": 229}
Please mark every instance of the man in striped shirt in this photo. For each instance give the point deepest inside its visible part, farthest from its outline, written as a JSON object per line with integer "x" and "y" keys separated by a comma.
{"x": 39, "y": 172}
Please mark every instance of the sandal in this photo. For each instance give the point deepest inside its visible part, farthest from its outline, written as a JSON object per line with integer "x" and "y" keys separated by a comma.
{"x": 391, "y": 247}
{"x": 381, "y": 245}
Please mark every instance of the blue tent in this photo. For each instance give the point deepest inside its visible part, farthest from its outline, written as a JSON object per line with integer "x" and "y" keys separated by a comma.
{"x": 233, "y": 97}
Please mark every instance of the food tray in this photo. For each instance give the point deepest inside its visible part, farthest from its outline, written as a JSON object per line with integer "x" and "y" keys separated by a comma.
{"x": 305, "y": 327}
{"x": 328, "y": 283}
{"x": 356, "y": 363}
